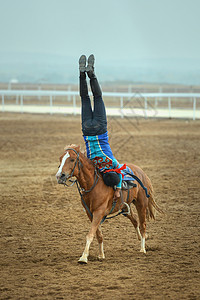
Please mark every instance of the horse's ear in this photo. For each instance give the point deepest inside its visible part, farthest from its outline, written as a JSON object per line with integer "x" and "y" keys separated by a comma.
{"x": 67, "y": 146}
{"x": 75, "y": 147}
{"x": 70, "y": 146}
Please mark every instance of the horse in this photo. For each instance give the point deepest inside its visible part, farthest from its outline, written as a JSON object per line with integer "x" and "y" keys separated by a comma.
{"x": 97, "y": 198}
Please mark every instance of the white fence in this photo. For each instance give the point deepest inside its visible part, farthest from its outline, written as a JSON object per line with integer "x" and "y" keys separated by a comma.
{"x": 123, "y": 110}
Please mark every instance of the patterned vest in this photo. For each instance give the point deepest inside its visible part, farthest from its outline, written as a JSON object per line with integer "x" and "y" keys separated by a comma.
{"x": 99, "y": 151}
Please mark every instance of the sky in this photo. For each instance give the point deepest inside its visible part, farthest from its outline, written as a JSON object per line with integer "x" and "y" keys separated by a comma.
{"x": 114, "y": 30}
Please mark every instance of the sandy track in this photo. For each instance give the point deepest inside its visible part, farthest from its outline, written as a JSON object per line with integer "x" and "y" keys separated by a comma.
{"x": 43, "y": 225}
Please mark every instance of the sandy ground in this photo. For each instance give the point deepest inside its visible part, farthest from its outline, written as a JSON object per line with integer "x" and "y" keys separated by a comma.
{"x": 43, "y": 225}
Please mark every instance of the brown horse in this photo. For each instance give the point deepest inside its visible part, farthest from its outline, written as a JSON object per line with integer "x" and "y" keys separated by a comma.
{"x": 98, "y": 197}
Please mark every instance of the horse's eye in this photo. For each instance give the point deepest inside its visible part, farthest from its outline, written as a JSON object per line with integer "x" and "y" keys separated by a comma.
{"x": 58, "y": 166}
{"x": 71, "y": 159}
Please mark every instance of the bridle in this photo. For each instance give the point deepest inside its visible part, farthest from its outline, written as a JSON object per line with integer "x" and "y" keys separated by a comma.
{"x": 80, "y": 165}
{"x": 76, "y": 162}
{"x": 73, "y": 170}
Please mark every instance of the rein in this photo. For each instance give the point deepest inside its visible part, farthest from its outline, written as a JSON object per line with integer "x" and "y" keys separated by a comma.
{"x": 96, "y": 178}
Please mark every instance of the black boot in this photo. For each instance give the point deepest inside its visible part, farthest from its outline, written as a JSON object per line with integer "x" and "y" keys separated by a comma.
{"x": 83, "y": 83}
{"x": 96, "y": 90}
{"x": 82, "y": 64}
{"x": 90, "y": 66}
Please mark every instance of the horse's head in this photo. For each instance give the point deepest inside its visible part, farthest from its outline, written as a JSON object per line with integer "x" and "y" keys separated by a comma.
{"x": 69, "y": 164}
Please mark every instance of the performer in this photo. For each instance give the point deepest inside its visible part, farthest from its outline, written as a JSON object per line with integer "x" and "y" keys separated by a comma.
{"x": 94, "y": 127}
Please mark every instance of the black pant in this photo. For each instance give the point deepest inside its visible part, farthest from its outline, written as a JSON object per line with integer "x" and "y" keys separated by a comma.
{"x": 93, "y": 122}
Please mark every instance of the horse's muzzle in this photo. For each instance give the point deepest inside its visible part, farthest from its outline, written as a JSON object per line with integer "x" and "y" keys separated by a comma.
{"x": 61, "y": 179}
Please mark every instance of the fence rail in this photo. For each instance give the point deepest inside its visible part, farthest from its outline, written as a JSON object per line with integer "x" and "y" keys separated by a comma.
{"x": 192, "y": 112}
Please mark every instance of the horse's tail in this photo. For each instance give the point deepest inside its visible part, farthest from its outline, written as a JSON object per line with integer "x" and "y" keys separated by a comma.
{"x": 152, "y": 205}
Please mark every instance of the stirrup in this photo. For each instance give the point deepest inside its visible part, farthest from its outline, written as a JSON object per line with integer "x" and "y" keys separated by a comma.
{"x": 128, "y": 207}
{"x": 129, "y": 184}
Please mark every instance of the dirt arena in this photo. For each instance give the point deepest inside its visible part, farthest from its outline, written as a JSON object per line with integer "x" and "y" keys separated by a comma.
{"x": 43, "y": 225}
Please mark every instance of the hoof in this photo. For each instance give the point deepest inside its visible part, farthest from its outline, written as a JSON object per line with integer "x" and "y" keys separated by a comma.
{"x": 83, "y": 260}
{"x": 143, "y": 251}
{"x": 101, "y": 258}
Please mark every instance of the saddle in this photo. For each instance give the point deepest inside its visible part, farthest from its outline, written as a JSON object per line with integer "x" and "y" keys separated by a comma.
{"x": 128, "y": 184}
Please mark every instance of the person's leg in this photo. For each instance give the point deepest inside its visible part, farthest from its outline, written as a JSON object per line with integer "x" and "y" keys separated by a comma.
{"x": 99, "y": 113}
{"x": 99, "y": 108}
{"x": 86, "y": 109}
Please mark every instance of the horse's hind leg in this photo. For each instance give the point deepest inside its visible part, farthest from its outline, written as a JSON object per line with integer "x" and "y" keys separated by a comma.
{"x": 132, "y": 217}
{"x": 100, "y": 241}
{"x": 142, "y": 218}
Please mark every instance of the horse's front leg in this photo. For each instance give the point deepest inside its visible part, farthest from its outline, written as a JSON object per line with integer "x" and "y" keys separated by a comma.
{"x": 97, "y": 217}
{"x": 100, "y": 242}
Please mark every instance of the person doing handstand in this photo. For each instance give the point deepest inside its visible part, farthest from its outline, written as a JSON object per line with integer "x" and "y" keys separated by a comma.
{"x": 94, "y": 127}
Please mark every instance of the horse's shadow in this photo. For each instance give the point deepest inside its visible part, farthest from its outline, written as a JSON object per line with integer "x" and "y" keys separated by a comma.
{"x": 152, "y": 249}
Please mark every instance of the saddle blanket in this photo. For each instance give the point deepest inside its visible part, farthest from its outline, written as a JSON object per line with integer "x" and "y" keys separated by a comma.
{"x": 126, "y": 176}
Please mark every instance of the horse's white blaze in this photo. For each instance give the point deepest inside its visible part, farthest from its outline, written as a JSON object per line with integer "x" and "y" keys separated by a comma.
{"x": 65, "y": 157}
